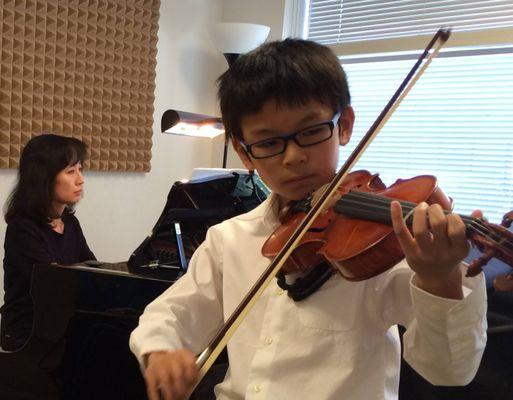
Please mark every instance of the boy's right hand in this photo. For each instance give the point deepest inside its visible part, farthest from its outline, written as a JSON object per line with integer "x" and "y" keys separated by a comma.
{"x": 170, "y": 375}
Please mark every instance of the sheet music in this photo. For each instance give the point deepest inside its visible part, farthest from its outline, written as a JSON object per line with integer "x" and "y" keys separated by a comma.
{"x": 206, "y": 174}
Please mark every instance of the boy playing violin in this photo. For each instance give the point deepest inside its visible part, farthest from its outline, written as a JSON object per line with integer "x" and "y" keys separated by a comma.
{"x": 286, "y": 108}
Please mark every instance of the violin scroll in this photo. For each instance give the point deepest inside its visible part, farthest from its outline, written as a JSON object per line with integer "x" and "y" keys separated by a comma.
{"x": 496, "y": 243}
{"x": 507, "y": 219}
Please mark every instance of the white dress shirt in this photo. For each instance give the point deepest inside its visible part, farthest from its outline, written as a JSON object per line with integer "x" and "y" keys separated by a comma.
{"x": 339, "y": 343}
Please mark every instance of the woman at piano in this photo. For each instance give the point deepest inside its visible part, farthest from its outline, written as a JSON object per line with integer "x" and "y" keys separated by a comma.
{"x": 41, "y": 227}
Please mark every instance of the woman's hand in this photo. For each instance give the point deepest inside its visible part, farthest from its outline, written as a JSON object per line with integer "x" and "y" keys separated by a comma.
{"x": 170, "y": 375}
{"x": 434, "y": 248}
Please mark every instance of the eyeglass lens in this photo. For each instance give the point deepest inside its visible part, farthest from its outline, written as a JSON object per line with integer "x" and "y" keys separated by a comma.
{"x": 304, "y": 138}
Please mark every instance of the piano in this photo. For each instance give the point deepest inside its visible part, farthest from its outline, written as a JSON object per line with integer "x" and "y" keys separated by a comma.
{"x": 78, "y": 348}
{"x": 83, "y": 314}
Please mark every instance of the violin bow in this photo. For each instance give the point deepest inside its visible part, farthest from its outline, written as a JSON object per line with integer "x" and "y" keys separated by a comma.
{"x": 218, "y": 343}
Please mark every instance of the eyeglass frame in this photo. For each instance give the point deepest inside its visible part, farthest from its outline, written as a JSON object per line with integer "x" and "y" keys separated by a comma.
{"x": 331, "y": 123}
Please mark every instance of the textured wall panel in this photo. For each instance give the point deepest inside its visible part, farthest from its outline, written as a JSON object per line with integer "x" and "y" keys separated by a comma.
{"x": 82, "y": 68}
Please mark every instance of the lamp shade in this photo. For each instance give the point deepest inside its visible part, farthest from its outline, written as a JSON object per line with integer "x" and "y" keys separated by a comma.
{"x": 235, "y": 38}
{"x": 191, "y": 124}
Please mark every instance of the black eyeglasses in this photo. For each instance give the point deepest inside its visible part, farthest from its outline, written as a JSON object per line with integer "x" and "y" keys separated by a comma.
{"x": 308, "y": 136}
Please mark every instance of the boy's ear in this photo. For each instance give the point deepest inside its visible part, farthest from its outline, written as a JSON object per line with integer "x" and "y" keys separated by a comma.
{"x": 345, "y": 124}
{"x": 243, "y": 155}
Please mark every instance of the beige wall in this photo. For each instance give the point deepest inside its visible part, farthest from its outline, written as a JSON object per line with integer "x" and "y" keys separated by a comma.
{"x": 266, "y": 12}
{"x": 119, "y": 209}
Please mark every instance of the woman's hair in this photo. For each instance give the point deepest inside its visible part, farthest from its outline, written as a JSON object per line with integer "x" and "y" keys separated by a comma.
{"x": 291, "y": 72}
{"x": 42, "y": 158}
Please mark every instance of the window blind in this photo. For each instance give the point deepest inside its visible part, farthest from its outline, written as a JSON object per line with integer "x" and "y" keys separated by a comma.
{"x": 343, "y": 21}
{"x": 457, "y": 122}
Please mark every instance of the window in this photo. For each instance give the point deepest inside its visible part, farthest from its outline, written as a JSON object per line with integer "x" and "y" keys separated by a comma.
{"x": 457, "y": 122}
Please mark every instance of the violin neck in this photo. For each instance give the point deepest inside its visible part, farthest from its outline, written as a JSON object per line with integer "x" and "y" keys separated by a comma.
{"x": 376, "y": 208}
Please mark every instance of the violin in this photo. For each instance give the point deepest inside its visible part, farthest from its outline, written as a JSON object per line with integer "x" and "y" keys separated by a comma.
{"x": 354, "y": 235}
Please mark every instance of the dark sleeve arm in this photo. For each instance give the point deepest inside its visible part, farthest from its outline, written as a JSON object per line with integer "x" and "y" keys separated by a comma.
{"x": 85, "y": 252}
{"x": 24, "y": 247}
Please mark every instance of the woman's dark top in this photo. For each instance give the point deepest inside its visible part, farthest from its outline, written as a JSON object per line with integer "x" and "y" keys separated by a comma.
{"x": 27, "y": 243}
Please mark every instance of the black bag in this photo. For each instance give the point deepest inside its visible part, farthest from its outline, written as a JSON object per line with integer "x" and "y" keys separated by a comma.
{"x": 191, "y": 208}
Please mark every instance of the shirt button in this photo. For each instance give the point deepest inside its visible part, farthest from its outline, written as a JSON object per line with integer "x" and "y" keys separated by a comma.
{"x": 268, "y": 340}
{"x": 256, "y": 388}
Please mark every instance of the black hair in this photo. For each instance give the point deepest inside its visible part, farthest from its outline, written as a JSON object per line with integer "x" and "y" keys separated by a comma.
{"x": 42, "y": 158}
{"x": 291, "y": 72}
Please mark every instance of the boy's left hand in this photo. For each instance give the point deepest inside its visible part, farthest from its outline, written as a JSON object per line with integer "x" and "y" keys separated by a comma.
{"x": 434, "y": 248}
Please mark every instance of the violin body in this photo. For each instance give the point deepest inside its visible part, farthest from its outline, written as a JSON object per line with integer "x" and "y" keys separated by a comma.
{"x": 357, "y": 245}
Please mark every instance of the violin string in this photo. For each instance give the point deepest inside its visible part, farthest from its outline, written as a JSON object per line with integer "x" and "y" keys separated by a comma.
{"x": 474, "y": 225}
{"x": 382, "y": 214}
{"x": 385, "y": 202}
{"x": 377, "y": 207}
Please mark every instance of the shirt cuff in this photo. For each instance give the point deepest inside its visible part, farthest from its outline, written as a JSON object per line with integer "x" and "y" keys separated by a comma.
{"x": 474, "y": 300}
{"x": 142, "y": 346}
{"x": 450, "y": 333}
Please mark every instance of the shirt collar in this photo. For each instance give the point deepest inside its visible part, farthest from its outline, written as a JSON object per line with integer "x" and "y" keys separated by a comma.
{"x": 270, "y": 210}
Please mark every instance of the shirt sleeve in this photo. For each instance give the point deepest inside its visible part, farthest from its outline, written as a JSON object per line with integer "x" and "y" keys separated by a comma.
{"x": 189, "y": 313}
{"x": 85, "y": 252}
{"x": 445, "y": 339}
{"x": 24, "y": 247}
